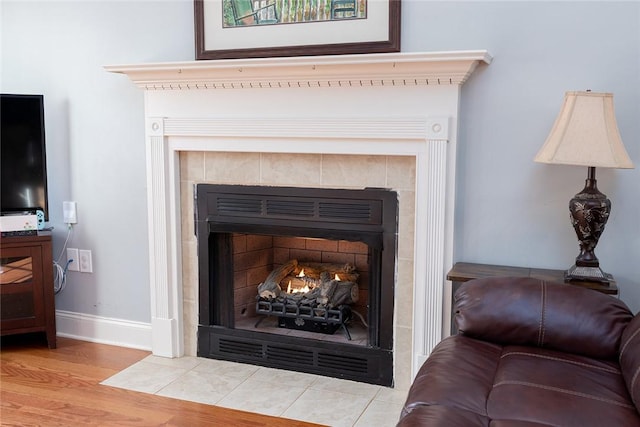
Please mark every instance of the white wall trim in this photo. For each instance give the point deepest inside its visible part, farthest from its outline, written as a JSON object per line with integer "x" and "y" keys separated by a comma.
{"x": 412, "y": 138}
{"x": 103, "y": 330}
{"x": 388, "y": 104}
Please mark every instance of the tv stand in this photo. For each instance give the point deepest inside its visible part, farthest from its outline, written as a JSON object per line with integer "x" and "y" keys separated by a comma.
{"x": 26, "y": 286}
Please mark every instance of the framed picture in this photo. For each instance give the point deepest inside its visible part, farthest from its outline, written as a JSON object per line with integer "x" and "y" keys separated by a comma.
{"x": 229, "y": 29}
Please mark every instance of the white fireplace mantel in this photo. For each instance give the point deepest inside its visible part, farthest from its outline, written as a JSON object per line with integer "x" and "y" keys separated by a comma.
{"x": 403, "y": 104}
{"x": 320, "y": 71}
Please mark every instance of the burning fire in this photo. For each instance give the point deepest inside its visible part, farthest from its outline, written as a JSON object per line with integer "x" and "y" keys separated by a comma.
{"x": 308, "y": 287}
{"x": 303, "y": 290}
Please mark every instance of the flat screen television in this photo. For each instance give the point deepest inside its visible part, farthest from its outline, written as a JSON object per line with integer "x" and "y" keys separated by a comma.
{"x": 23, "y": 163}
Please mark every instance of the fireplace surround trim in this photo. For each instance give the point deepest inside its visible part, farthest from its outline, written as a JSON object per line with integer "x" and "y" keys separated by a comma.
{"x": 423, "y": 124}
{"x": 435, "y": 169}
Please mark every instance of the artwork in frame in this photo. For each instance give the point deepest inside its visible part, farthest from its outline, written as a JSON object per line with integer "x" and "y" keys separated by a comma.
{"x": 231, "y": 29}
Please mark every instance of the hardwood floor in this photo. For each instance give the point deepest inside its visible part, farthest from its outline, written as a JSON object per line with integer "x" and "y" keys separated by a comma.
{"x": 61, "y": 387}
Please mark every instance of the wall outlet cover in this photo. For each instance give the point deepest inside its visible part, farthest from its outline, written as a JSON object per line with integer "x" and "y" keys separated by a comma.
{"x": 86, "y": 263}
{"x": 74, "y": 256}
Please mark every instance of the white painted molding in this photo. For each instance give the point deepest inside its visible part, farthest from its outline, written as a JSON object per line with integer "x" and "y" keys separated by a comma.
{"x": 370, "y": 128}
{"x": 390, "y": 69}
{"x": 385, "y": 138}
{"x": 437, "y": 128}
{"x": 378, "y": 111}
{"x": 103, "y": 330}
{"x": 436, "y": 217}
{"x": 165, "y": 309}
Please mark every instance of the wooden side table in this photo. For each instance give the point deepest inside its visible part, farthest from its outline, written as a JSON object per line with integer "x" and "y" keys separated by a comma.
{"x": 465, "y": 271}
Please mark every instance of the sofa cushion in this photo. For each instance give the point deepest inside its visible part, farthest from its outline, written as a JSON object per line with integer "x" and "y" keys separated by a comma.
{"x": 438, "y": 415}
{"x": 630, "y": 358}
{"x": 557, "y": 388}
{"x": 526, "y": 311}
{"x": 467, "y": 382}
{"x": 459, "y": 373}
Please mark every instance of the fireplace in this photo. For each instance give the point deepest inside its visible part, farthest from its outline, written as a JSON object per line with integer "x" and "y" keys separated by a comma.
{"x": 242, "y": 121}
{"x": 254, "y": 245}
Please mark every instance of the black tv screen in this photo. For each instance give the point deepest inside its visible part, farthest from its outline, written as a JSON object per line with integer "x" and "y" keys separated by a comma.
{"x": 23, "y": 162}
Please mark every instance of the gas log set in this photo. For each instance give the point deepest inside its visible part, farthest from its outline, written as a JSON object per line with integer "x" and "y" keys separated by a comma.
{"x": 309, "y": 296}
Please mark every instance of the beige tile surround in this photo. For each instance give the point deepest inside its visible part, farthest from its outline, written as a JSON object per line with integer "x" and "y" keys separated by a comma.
{"x": 306, "y": 170}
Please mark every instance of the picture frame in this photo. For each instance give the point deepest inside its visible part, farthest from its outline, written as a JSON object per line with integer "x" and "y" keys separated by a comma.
{"x": 375, "y": 29}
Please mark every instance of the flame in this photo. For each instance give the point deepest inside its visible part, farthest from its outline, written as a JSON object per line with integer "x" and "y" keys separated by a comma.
{"x": 301, "y": 273}
{"x": 337, "y": 278}
{"x": 302, "y": 290}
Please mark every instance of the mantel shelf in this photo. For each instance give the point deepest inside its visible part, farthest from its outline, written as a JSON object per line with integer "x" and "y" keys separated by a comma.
{"x": 408, "y": 69}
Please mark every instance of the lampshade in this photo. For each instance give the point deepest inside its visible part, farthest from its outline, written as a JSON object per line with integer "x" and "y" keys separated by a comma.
{"x": 585, "y": 134}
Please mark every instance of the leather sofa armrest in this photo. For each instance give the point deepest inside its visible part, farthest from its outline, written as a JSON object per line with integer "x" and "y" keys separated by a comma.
{"x": 526, "y": 311}
{"x": 630, "y": 359}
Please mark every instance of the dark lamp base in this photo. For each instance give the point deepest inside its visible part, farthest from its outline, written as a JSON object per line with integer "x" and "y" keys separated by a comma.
{"x": 589, "y": 211}
{"x": 589, "y": 274}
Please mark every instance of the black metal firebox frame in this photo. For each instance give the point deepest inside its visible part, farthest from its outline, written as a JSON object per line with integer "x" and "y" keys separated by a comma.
{"x": 369, "y": 215}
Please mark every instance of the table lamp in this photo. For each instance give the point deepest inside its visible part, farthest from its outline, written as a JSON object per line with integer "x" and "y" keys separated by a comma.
{"x": 586, "y": 134}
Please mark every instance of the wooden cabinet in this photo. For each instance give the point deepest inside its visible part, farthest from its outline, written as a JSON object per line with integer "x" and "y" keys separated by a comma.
{"x": 26, "y": 286}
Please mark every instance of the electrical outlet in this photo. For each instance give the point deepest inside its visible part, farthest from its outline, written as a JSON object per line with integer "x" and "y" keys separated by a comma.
{"x": 86, "y": 265}
{"x": 72, "y": 254}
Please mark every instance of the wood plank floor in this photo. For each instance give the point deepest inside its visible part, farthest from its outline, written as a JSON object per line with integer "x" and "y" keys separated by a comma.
{"x": 61, "y": 387}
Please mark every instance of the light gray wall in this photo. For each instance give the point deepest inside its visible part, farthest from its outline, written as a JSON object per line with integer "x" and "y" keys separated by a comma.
{"x": 510, "y": 209}
{"x": 59, "y": 48}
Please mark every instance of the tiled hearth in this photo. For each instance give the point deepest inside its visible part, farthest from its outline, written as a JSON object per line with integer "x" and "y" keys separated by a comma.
{"x": 305, "y": 397}
{"x": 352, "y": 121}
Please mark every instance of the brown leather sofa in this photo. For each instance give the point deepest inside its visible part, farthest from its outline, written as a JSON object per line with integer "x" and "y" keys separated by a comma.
{"x": 531, "y": 353}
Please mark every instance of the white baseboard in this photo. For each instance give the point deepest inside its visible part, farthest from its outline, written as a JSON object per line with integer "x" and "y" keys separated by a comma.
{"x": 103, "y": 330}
